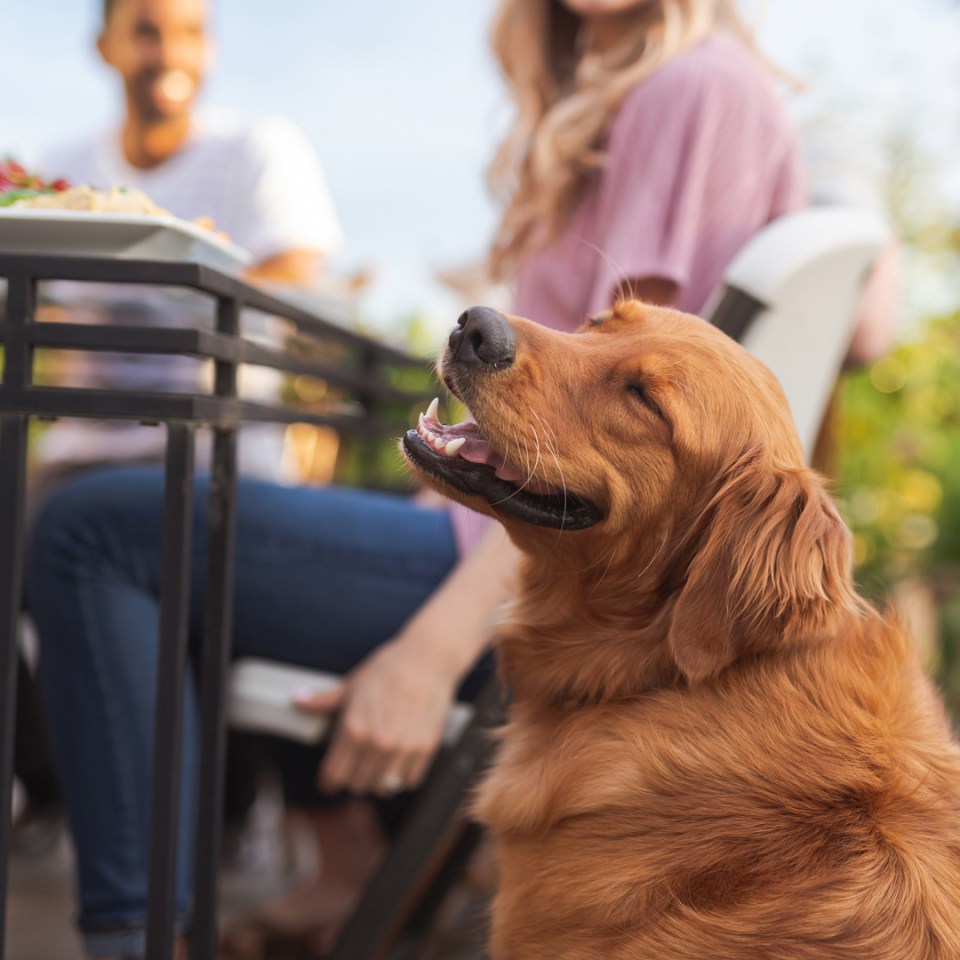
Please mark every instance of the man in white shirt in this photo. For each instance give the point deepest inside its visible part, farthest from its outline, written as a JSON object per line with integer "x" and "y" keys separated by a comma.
{"x": 259, "y": 182}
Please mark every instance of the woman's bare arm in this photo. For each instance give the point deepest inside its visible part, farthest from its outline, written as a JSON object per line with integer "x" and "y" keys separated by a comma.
{"x": 394, "y": 705}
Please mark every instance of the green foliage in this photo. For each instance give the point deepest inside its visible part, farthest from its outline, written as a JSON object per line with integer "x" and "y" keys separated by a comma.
{"x": 899, "y": 478}
{"x": 898, "y": 422}
{"x": 899, "y": 457}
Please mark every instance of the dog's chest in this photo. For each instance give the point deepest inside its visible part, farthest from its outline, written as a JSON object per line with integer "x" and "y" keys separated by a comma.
{"x": 548, "y": 771}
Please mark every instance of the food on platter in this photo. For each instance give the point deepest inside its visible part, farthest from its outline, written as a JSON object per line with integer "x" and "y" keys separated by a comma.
{"x": 114, "y": 200}
{"x": 17, "y": 183}
{"x": 22, "y": 190}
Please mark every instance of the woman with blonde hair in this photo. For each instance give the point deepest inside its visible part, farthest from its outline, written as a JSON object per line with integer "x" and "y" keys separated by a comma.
{"x": 648, "y": 145}
{"x": 649, "y": 129}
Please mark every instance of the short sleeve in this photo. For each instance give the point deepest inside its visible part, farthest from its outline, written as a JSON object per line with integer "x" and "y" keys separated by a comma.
{"x": 286, "y": 199}
{"x": 692, "y": 163}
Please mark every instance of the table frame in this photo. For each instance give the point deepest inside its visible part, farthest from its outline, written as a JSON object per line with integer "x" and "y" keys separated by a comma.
{"x": 370, "y": 411}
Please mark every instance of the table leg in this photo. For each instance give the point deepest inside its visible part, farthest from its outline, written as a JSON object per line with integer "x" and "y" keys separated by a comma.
{"x": 218, "y": 625}
{"x": 13, "y": 458}
{"x": 171, "y": 670}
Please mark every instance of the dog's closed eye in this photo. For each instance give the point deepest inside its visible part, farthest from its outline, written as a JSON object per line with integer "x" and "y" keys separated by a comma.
{"x": 639, "y": 391}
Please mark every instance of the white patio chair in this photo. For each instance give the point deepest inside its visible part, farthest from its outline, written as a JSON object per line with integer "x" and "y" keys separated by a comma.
{"x": 790, "y": 297}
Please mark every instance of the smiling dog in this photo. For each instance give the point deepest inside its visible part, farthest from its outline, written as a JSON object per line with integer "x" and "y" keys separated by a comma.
{"x": 716, "y": 749}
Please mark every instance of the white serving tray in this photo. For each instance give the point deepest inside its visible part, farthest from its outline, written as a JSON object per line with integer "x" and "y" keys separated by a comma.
{"x": 122, "y": 235}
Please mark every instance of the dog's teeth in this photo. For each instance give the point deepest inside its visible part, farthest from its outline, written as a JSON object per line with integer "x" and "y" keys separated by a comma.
{"x": 433, "y": 409}
{"x": 422, "y": 429}
{"x": 453, "y": 446}
{"x": 437, "y": 443}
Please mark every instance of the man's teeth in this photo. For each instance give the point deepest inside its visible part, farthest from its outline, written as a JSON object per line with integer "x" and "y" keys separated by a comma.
{"x": 177, "y": 86}
{"x": 449, "y": 448}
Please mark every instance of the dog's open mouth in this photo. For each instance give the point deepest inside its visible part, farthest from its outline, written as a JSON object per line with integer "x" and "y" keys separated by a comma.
{"x": 461, "y": 457}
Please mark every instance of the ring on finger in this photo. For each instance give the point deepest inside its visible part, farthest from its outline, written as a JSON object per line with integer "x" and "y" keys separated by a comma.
{"x": 391, "y": 783}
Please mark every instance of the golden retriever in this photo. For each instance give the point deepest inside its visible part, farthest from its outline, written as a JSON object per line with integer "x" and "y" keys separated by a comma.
{"x": 716, "y": 749}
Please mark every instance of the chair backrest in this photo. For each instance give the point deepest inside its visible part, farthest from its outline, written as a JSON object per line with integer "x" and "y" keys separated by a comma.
{"x": 790, "y": 297}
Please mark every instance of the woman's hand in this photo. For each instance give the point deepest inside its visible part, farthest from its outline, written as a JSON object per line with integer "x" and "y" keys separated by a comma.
{"x": 394, "y": 706}
{"x": 393, "y": 709}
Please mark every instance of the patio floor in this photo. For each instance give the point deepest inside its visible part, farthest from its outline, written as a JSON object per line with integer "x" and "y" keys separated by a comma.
{"x": 40, "y": 906}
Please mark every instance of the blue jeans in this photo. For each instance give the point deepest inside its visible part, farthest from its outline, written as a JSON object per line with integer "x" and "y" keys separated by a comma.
{"x": 322, "y": 577}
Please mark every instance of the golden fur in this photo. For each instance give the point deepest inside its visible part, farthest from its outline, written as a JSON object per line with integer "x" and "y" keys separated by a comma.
{"x": 716, "y": 750}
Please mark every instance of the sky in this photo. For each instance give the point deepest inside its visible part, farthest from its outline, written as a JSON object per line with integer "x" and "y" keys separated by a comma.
{"x": 404, "y": 105}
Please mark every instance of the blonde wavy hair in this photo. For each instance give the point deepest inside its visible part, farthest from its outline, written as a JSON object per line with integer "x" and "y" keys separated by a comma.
{"x": 565, "y": 99}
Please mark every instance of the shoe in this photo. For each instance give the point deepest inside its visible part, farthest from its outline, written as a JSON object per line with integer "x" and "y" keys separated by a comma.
{"x": 254, "y": 939}
{"x": 36, "y": 830}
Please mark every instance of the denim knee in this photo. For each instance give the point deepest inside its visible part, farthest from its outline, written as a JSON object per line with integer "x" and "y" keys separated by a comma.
{"x": 56, "y": 534}
{"x": 89, "y": 520}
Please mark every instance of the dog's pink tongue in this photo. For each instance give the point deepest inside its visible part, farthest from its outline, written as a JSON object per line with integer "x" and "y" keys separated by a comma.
{"x": 477, "y": 449}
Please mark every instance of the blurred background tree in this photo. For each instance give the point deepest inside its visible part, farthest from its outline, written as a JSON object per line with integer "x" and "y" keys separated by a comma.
{"x": 898, "y": 430}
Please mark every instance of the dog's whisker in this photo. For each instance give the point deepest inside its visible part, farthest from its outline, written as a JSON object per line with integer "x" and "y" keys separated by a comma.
{"x": 655, "y": 557}
{"x": 611, "y": 556}
{"x": 621, "y": 275}
{"x": 529, "y": 467}
{"x": 688, "y": 393}
{"x": 522, "y": 455}
{"x": 549, "y": 440}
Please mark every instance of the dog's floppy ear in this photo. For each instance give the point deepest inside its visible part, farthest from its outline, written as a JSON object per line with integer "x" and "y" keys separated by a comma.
{"x": 771, "y": 566}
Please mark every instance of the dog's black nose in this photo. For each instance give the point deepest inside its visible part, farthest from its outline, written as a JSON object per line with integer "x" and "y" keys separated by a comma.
{"x": 483, "y": 336}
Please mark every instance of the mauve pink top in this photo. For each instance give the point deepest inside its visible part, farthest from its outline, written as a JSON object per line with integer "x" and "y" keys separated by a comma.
{"x": 699, "y": 157}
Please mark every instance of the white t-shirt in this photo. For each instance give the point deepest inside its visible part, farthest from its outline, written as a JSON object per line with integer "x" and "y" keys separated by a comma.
{"x": 260, "y": 183}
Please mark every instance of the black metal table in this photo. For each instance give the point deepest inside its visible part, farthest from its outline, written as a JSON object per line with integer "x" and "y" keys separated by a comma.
{"x": 374, "y": 390}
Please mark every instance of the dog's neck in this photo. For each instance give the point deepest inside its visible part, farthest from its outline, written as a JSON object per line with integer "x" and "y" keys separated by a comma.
{"x": 572, "y": 638}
